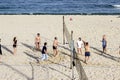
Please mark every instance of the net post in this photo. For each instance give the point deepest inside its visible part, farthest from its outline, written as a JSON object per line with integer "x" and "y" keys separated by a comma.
{"x": 71, "y": 46}
{"x": 63, "y": 31}
{"x": 72, "y": 56}
{"x": 71, "y": 35}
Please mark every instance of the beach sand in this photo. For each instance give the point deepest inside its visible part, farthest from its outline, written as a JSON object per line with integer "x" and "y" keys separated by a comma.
{"x": 27, "y": 64}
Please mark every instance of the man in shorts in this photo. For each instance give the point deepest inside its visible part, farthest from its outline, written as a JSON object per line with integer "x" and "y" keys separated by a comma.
{"x": 44, "y": 52}
{"x": 87, "y": 52}
{"x": 55, "y": 45}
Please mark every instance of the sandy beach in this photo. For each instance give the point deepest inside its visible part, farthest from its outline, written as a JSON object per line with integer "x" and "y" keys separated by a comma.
{"x": 27, "y": 64}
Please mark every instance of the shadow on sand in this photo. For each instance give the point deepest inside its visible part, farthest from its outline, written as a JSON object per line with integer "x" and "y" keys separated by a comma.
{"x": 28, "y": 46}
{"x": 7, "y": 49}
{"x": 74, "y": 57}
{"x": 64, "y": 47}
{"x": 19, "y": 72}
{"x": 34, "y": 57}
{"x": 60, "y": 72}
{"x": 59, "y": 64}
{"x": 32, "y": 71}
{"x": 99, "y": 52}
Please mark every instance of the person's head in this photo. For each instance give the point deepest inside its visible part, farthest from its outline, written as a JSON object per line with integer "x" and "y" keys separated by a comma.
{"x": 45, "y": 43}
{"x": 55, "y": 38}
{"x": 79, "y": 38}
{"x": 38, "y": 34}
{"x": 14, "y": 38}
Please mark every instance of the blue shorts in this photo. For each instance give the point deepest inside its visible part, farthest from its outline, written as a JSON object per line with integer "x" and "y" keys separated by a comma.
{"x": 104, "y": 46}
{"x": 87, "y": 53}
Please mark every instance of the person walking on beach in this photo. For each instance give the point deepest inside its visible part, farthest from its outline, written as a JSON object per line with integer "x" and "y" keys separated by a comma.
{"x": 14, "y": 45}
{"x": 44, "y": 52}
{"x": 55, "y": 45}
{"x": 104, "y": 43}
{"x": 79, "y": 45}
{"x": 37, "y": 41}
{"x": 0, "y": 48}
{"x": 87, "y": 52}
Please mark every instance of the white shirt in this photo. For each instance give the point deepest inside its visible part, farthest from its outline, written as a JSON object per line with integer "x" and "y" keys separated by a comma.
{"x": 79, "y": 44}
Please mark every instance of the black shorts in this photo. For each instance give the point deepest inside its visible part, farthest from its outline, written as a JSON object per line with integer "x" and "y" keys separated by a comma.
{"x": 38, "y": 43}
{"x": 14, "y": 46}
{"x": 54, "y": 47}
{"x": 87, "y": 53}
{"x": 104, "y": 46}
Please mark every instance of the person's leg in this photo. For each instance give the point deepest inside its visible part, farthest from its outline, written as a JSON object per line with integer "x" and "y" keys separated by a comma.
{"x": 14, "y": 51}
{"x": 80, "y": 51}
{"x": 85, "y": 59}
{"x": 103, "y": 49}
{"x": 37, "y": 45}
{"x": 46, "y": 56}
{"x": 43, "y": 56}
{"x": 56, "y": 52}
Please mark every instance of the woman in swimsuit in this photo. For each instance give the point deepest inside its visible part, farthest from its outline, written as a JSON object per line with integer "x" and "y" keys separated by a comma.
{"x": 37, "y": 41}
{"x": 14, "y": 45}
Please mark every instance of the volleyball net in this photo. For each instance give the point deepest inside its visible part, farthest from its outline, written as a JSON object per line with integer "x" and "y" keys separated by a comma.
{"x": 74, "y": 57}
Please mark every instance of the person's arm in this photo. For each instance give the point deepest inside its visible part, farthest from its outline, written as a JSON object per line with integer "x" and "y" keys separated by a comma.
{"x": 46, "y": 51}
{"x": 84, "y": 42}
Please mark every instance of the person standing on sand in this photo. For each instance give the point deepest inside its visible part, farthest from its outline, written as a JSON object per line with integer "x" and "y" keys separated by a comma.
{"x": 55, "y": 44}
{"x": 37, "y": 41}
{"x": 79, "y": 46}
{"x": 0, "y": 48}
{"x": 44, "y": 52}
{"x": 104, "y": 43}
{"x": 14, "y": 45}
{"x": 87, "y": 52}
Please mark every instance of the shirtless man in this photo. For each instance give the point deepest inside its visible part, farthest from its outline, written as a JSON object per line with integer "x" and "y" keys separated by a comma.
{"x": 55, "y": 44}
{"x": 37, "y": 41}
{"x": 87, "y": 52}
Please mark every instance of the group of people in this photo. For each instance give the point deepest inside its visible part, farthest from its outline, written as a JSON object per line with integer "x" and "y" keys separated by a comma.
{"x": 81, "y": 43}
{"x": 14, "y": 46}
{"x": 44, "y": 48}
{"x": 37, "y": 46}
